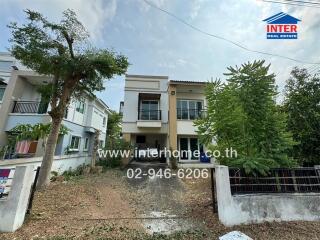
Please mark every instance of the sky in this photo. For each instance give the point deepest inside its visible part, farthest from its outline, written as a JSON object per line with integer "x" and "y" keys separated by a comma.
{"x": 158, "y": 44}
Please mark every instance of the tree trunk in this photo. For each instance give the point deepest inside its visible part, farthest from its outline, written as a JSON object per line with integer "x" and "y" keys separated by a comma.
{"x": 95, "y": 148}
{"x": 45, "y": 170}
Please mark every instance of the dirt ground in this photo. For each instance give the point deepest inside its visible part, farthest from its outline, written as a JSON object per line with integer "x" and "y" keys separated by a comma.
{"x": 110, "y": 206}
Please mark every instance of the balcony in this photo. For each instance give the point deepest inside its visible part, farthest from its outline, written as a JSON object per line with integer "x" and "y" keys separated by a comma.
{"x": 149, "y": 118}
{"x": 30, "y": 107}
{"x": 190, "y": 114}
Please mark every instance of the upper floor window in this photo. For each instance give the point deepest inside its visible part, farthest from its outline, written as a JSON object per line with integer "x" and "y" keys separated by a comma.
{"x": 80, "y": 107}
{"x": 104, "y": 121}
{"x": 2, "y": 89}
{"x": 149, "y": 110}
{"x": 189, "y": 109}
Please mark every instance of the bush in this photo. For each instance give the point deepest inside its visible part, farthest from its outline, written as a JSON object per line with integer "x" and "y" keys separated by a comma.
{"x": 114, "y": 144}
{"x": 69, "y": 174}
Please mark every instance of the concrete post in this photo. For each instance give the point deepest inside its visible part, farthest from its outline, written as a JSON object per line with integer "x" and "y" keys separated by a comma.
{"x": 224, "y": 197}
{"x": 13, "y": 209}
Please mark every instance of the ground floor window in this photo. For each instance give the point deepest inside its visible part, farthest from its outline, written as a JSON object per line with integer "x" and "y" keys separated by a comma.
{"x": 2, "y": 89}
{"x": 189, "y": 148}
{"x": 86, "y": 144}
{"x": 101, "y": 144}
{"x": 75, "y": 143}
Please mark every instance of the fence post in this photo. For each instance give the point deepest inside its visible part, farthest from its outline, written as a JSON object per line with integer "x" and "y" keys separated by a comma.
{"x": 223, "y": 189}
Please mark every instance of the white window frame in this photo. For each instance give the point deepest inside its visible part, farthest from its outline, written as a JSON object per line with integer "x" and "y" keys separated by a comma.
{"x": 79, "y": 144}
{"x": 86, "y": 142}
{"x": 81, "y": 107}
{"x": 189, "y": 156}
{"x": 188, "y": 107}
{"x": 151, "y": 100}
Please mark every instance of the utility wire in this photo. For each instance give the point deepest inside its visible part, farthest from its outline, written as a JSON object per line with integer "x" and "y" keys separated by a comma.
{"x": 292, "y": 4}
{"x": 225, "y": 39}
{"x": 298, "y": 1}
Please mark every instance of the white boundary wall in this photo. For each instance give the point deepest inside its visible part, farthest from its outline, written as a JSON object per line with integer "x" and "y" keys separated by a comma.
{"x": 256, "y": 208}
{"x": 60, "y": 163}
{"x": 14, "y": 207}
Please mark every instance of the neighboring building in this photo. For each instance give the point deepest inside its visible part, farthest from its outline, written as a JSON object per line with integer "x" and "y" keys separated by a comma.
{"x": 22, "y": 104}
{"x": 159, "y": 113}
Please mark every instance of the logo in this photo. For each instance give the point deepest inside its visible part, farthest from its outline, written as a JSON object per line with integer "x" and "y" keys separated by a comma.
{"x": 282, "y": 26}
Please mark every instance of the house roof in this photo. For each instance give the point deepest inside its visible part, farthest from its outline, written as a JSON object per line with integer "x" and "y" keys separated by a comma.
{"x": 184, "y": 82}
{"x": 281, "y": 18}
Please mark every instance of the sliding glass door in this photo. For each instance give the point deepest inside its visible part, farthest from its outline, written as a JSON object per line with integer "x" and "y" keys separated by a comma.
{"x": 189, "y": 149}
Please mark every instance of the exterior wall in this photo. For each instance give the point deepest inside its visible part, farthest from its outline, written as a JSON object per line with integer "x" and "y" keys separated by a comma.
{"x": 136, "y": 84}
{"x": 189, "y": 92}
{"x": 60, "y": 163}
{"x": 20, "y": 87}
{"x": 15, "y": 119}
{"x": 256, "y": 208}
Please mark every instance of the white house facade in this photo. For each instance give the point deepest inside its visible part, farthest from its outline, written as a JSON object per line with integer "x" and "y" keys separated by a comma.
{"x": 158, "y": 113}
{"x": 21, "y": 103}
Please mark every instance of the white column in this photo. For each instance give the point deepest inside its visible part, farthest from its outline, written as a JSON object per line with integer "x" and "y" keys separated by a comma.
{"x": 224, "y": 197}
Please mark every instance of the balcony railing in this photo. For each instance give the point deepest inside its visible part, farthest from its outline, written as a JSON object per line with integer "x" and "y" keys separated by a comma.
{"x": 149, "y": 115}
{"x": 190, "y": 114}
{"x": 29, "y": 107}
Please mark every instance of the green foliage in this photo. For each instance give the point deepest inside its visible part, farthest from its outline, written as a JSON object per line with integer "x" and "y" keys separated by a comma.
{"x": 114, "y": 125}
{"x": 63, "y": 51}
{"x": 242, "y": 114}
{"x": 71, "y": 174}
{"x": 302, "y": 105}
{"x": 114, "y": 144}
{"x": 35, "y": 132}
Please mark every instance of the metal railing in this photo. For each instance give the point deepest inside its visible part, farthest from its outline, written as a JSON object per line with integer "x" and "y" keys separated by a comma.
{"x": 279, "y": 180}
{"x": 149, "y": 115}
{"x": 29, "y": 107}
{"x": 190, "y": 114}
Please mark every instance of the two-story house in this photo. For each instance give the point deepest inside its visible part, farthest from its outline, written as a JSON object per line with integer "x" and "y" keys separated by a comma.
{"x": 21, "y": 103}
{"x": 159, "y": 113}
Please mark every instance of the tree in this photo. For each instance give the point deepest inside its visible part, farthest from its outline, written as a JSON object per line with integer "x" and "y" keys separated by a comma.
{"x": 242, "y": 114}
{"x": 62, "y": 50}
{"x": 114, "y": 126}
{"x": 35, "y": 132}
{"x": 302, "y": 104}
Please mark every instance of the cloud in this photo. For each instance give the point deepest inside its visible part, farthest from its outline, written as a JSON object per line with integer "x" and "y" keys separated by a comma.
{"x": 195, "y": 8}
{"x": 94, "y": 14}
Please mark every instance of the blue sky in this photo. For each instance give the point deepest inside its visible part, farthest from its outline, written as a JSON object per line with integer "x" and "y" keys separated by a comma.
{"x": 157, "y": 44}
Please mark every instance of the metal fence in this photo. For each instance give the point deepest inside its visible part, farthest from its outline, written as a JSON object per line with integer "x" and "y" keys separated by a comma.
{"x": 279, "y": 180}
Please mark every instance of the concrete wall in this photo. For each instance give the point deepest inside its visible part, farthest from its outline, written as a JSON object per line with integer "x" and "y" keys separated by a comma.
{"x": 256, "y": 208}
{"x": 13, "y": 208}
{"x": 60, "y": 163}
